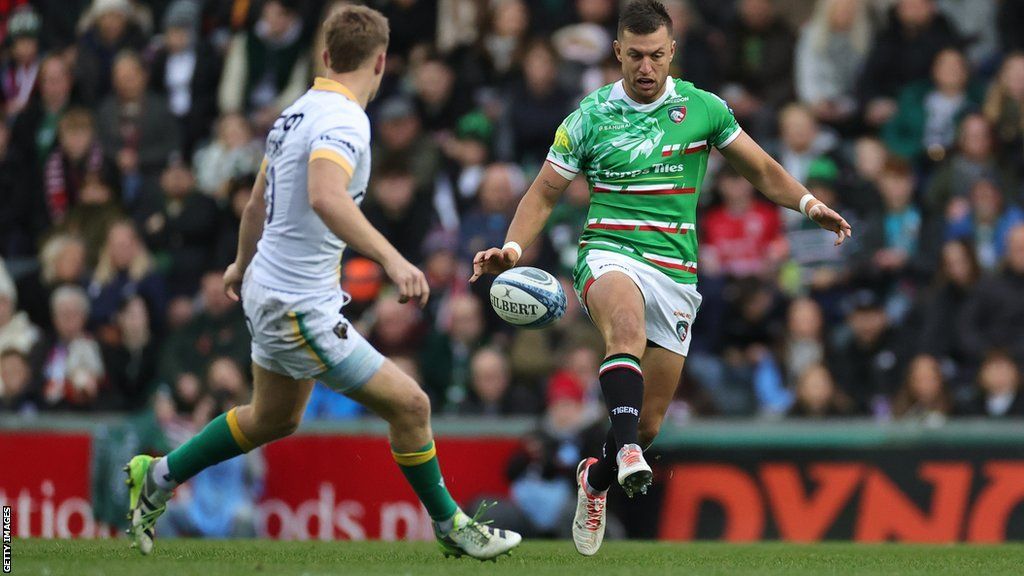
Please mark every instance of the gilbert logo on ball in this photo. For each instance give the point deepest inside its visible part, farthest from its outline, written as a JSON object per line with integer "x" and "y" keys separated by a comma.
{"x": 527, "y": 297}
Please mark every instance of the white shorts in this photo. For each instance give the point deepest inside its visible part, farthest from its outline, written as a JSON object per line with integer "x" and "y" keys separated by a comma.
{"x": 669, "y": 307}
{"x": 306, "y": 336}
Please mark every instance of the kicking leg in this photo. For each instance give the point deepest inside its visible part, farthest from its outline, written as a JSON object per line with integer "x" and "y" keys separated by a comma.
{"x": 399, "y": 400}
{"x": 617, "y": 307}
{"x": 274, "y": 412}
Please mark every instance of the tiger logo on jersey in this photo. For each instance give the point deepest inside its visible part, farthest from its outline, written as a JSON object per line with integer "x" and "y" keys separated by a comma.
{"x": 677, "y": 114}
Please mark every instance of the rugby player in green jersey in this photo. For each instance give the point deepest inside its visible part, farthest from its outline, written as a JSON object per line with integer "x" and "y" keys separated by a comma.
{"x": 642, "y": 143}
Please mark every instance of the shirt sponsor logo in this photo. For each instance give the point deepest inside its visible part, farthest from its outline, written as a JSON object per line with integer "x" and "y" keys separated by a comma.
{"x": 562, "y": 143}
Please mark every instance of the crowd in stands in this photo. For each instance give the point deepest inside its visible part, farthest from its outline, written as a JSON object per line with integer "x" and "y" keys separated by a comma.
{"x": 133, "y": 130}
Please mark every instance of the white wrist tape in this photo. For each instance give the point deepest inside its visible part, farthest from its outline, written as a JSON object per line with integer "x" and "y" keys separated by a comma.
{"x": 805, "y": 201}
{"x": 515, "y": 248}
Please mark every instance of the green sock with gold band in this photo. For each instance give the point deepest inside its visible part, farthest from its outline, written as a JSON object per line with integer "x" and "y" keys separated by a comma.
{"x": 220, "y": 440}
{"x": 423, "y": 473}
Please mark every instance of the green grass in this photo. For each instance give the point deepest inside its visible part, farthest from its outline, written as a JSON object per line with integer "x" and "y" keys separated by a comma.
{"x": 253, "y": 557}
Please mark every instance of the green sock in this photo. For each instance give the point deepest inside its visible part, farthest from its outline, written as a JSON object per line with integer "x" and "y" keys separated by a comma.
{"x": 220, "y": 440}
{"x": 423, "y": 472}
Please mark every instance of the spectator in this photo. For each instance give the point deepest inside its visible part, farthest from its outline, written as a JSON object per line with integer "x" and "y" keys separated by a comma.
{"x": 999, "y": 387}
{"x": 1004, "y": 106}
{"x": 946, "y": 300}
{"x": 17, "y": 392}
{"x": 132, "y": 359}
{"x": 77, "y": 159}
{"x": 924, "y": 395}
{"x": 125, "y": 270}
{"x": 696, "y": 60}
{"x": 927, "y": 114}
{"x": 61, "y": 261}
{"x": 758, "y": 62}
{"x": 486, "y": 225}
{"x": 509, "y": 23}
{"x": 868, "y": 361}
{"x": 401, "y": 212}
{"x": 217, "y": 330}
{"x": 804, "y": 345}
{"x": 902, "y": 54}
{"x": 34, "y": 131}
{"x": 468, "y": 154}
{"x": 446, "y": 354}
{"x": 266, "y": 68}
{"x": 186, "y": 69}
{"x": 397, "y": 329}
{"x": 237, "y": 193}
{"x": 72, "y": 367}
{"x": 974, "y": 159}
{"x": 817, "y": 396}
{"x": 802, "y": 140}
{"x": 19, "y": 69}
{"x": 401, "y": 139}
{"x": 742, "y": 236}
{"x": 17, "y": 332}
{"x": 892, "y": 239}
{"x": 540, "y": 104}
{"x": 492, "y": 392}
{"x": 136, "y": 128}
{"x": 975, "y": 22}
{"x": 232, "y": 154}
{"x": 439, "y": 103}
{"x": 22, "y": 218}
{"x": 181, "y": 227}
{"x": 861, "y": 193}
{"x": 108, "y": 28}
{"x": 987, "y": 219}
{"x": 994, "y": 315}
{"x": 830, "y": 54}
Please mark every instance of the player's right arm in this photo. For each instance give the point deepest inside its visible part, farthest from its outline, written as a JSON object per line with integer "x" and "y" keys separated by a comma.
{"x": 248, "y": 235}
{"x": 531, "y": 215}
{"x": 329, "y": 198}
{"x": 562, "y": 165}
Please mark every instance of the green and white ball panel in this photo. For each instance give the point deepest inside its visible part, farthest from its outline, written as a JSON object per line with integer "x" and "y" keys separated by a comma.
{"x": 527, "y": 297}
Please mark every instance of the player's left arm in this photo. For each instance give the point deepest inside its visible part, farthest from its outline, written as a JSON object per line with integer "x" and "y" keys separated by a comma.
{"x": 768, "y": 176}
{"x": 249, "y": 233}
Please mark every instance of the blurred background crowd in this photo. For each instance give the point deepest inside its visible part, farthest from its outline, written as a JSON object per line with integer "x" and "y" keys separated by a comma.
{"x": 133, "y": 130}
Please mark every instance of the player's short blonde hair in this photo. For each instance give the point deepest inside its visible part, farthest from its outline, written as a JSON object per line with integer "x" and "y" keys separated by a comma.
{"x": 353, "y": 34}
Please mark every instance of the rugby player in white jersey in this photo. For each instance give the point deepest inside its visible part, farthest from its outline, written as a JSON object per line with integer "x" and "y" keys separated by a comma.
{"x": 303, "y": 211}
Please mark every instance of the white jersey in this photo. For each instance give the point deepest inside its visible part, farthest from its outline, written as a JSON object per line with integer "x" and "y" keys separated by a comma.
{"x": 297, "y": 252}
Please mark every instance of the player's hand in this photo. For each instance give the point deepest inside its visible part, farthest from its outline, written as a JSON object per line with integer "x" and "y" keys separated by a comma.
{"x": 830, "y": 220}
{"x": 411, "y": 283}
{"x": 233, "y": 282}
{"x": 493, "y": 261}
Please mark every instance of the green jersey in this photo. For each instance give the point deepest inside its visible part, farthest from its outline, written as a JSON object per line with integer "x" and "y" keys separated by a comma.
{"x": 645, "y": 164}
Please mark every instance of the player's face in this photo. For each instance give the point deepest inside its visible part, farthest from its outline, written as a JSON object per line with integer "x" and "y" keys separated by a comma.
{"x": 645, "y": 62}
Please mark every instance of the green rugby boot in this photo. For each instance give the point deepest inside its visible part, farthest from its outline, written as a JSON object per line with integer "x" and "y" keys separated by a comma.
{"x": 146, "y": 502}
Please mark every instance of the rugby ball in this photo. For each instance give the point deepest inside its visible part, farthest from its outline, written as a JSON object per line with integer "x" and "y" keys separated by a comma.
{"x": 527, "y": 297}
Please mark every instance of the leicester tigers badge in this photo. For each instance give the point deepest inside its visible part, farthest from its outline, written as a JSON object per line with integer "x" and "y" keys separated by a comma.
{"x": 677, "y": 114}
{"x": 341, "y": 330}
{"x": 682, "y": 327}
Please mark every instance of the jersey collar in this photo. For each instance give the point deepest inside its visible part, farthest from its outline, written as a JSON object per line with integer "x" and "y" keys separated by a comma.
{"x": 328, "y": 85}
{"x": 618, "y": 92}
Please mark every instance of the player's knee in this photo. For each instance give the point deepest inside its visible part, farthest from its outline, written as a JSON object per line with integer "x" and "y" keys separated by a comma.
{"x": 416, "y": 407}
{"x": 648, "y": 431}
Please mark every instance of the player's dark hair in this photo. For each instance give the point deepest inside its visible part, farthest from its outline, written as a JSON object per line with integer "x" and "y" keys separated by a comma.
{"x": 644, "y": 17}
{"x": 353, "y": 34}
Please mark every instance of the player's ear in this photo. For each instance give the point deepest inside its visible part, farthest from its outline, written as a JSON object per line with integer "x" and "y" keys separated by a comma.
{"x": 326, "y": 57}
{"x": 618, "y": 50}
{"x": 672, "y": 50}
{"x": 378, "y": 66}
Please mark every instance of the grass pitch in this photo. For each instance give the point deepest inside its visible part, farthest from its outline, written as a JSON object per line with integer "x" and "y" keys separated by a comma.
{"x": 252, "y": 557}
